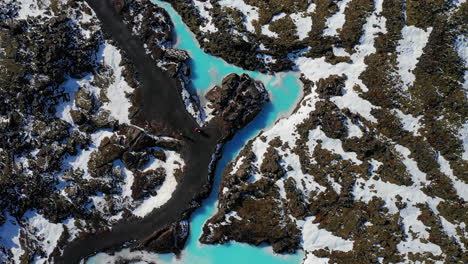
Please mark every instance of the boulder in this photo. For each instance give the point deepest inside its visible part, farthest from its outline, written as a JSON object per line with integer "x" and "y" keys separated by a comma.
{"x": 78, "y": 117}
{"x": 102, "y": 119}
{"x": 101, "y": 160}
{"x": 135, "y": 160}
{"x": 84, "y": 99}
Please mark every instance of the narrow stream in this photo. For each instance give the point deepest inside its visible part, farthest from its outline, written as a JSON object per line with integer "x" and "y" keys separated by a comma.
{"x": 207, "y": 70}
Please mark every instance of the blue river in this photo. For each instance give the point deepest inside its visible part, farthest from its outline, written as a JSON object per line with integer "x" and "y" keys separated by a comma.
{"x": 285, "y": 90}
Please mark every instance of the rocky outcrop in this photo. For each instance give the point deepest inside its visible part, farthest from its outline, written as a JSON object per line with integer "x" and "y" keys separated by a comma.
{"x": 145, "y": 183}
{"x": 331, "y": 86}
{"x": 170, "y": 239}
{"x": 236, "y": 102}
{"x": 258, "y": 202}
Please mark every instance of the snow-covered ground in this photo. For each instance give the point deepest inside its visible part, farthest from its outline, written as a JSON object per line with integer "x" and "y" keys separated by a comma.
{"x": 118, "y": 104}
{"x": 336, "y": 21}
{"x": 32, "y": 8}
{"x": 266, "y": 28}
{"x": 316, "y": 69}
{"x": 203, "y": 9}
{"x": 173, "y": 162}
{"x": 250, "y": 12}
{"x": 316, "y": 238}
{"x": 9, "y": 238}
{"x": 409, "y": 50}
{"x": 303, "y": 24}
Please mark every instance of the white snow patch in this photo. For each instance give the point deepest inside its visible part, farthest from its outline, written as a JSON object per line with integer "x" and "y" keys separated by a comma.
{"x": 250, "y": 12}
{"x": 409, "y": 122}
{"x": 173, "y": 162}
{"x": 282, "y": 191}
{"x": 337, "y": 20}
{"x": 71, "y": 86}
{"x": 278, "y": 16}
{"x": 450, "y": 230}
{"x": 227, "y": 217}
{"x": 303, "y": 24}
{"x": 315, "y": 69}
{"x": 266, "y": 28}
{"x": 409, "y": 49}
{"x": 305, "y": 182}
{"x": 80, "y": 161}
{"x": 334, "y": 145}
{"x": 48, "y": 233}
{"x": 128, "y": 179}
{"x": 365, "y": 190}
{"x": 340, "y": 52}
{"x": 311, "y": 8}
{"x": 312, "y": 259}
{"x": 461, "y": 46}
{"x": 9, "y": 238}
{"x": 118, "y": 103}
{"x": 412, "y": 195}
{"x": 353, "y": 129}
{"x": 460, "y": 187}
{"x": 204, "y": 11}
{"x": 200, "y": 115}
{"x": 70, "y": 223}
{"x": 32, "y": 8}
{"x": 463, "y": 135}
{"x": 418, "y": 176}
{"x": 267, "y": 32}
{"x": 137, "y": 257}
{"x": 336, "y": 186}
{"x": 238, "y": 164}
{"x": 315, "y": 238}
{"x": 415, "y": 245}
{"x": 458, "y": 3}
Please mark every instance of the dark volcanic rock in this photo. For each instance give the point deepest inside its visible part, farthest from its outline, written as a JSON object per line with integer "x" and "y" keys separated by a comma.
{"x": 84, "y": 100}
{"x": 331, "y": 86}
{"x": 78, "y": 117}
{"x": 102, "y": 119}
{"x": 135, "y": 160}
{"x": 270, "y": 166}
{"x": 266, "y": 228}
{"x": 146, "y": 182}
{"x": 101, "y": 160}
{"x": 168, "y": 239}
{"x": 236, "y": 102}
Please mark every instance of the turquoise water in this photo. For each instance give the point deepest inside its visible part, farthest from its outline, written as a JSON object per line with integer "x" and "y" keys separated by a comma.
{"x": 284, "y": 91}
